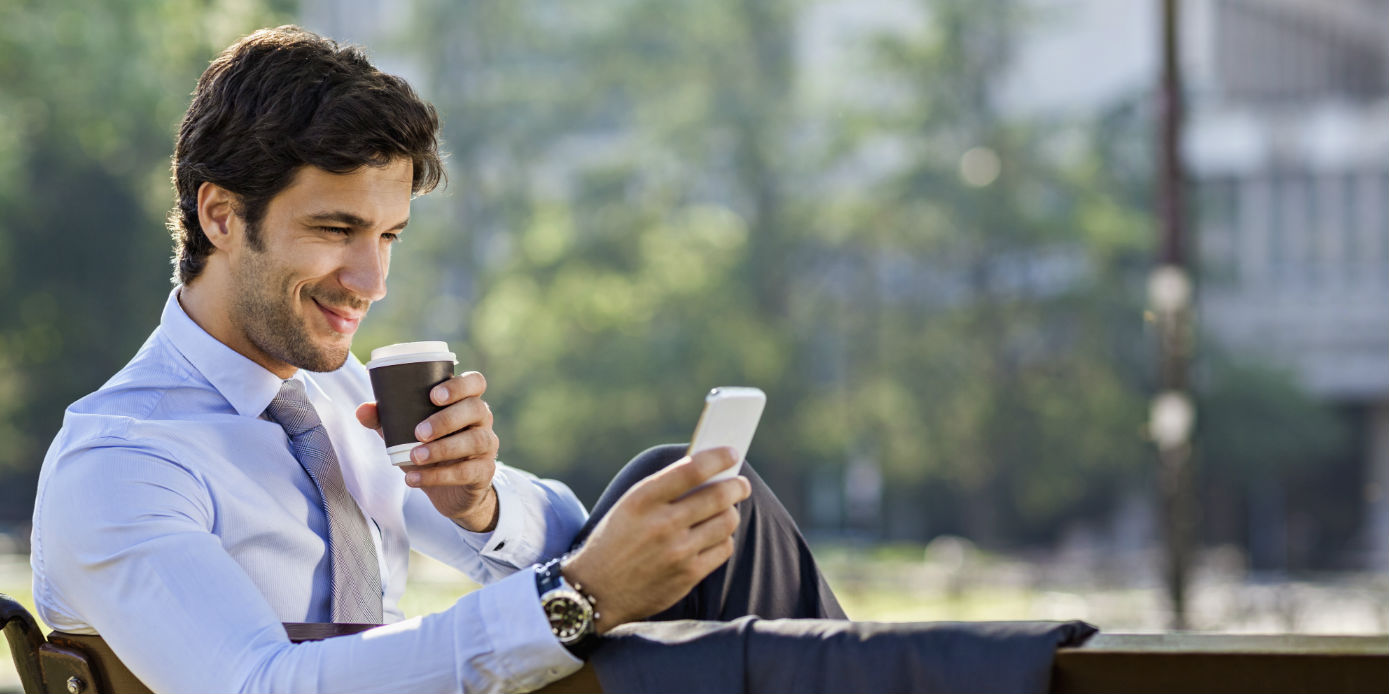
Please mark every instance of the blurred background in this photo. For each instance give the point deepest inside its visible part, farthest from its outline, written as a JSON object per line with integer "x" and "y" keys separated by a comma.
{"x": 924, "y": 227}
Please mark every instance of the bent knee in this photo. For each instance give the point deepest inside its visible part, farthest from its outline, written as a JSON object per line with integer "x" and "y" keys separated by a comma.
{"x": 653, "y": 460}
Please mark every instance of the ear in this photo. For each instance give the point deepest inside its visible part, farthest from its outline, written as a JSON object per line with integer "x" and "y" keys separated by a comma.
{"x": 217, "y": 214}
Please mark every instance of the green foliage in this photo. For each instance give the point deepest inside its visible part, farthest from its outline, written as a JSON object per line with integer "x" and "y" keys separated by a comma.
{"x": 648, "y": 215}
{"x": 1256, "y": 424}
{"x": 92, "y": 96}
{"x": 989, "y": 314}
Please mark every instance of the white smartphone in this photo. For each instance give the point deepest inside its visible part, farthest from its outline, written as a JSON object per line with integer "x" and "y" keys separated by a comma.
{"x": 729, "y": 419}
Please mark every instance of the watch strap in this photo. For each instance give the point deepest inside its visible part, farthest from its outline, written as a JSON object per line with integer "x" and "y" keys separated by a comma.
{"x": 547, "y": 578}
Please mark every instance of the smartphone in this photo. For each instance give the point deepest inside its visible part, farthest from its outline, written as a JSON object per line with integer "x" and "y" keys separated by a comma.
{"x": 729, "y": 419}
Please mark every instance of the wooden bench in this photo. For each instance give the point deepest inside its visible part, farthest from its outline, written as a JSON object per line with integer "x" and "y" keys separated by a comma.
{"x": 1177, "y": 662}
{"x": 1214, "y": 663}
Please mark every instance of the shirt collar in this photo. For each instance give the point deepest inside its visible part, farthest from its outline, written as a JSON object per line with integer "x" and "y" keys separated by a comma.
{"x": 248, "y": 386}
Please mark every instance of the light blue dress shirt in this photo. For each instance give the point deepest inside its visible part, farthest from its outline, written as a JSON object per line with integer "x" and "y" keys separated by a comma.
{"x": 173, "y": 519}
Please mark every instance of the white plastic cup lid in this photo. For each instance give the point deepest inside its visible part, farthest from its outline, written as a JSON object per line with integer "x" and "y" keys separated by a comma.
{"x": 411, "y": 352}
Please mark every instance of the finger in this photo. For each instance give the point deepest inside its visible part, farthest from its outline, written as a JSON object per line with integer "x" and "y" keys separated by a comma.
{"x": 699, "y": 505}
{"x": 476, "y": 474}
{"x": 714, "y": 530}
{"x": 465, "y": 385}
{"x": 686, "y": 474}
{"x": 456, "y": 417}
{"x": 478, "y": 442}
{"x": 713, "y": 557}
{"x": 369, "y": 416}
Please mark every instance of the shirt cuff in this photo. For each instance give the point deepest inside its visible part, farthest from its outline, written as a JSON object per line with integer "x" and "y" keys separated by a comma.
{"x": 506, "y": 541}
{"x": 530, "y": 655}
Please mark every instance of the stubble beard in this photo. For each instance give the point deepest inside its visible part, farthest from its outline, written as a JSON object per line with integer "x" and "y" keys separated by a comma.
{"x": 264, "y": 307}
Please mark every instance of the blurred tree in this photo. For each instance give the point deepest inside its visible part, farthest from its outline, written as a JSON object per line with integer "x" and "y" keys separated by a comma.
{"x": 91, "y": 98}
{"x": 652, "y": 198}
{"x": 646, "y": 218}
{"x": 618, "y": 172}
{"x": 986, "y": 297}
{"x": 1258, "y": 424}
{"x": 1271, "y": 452}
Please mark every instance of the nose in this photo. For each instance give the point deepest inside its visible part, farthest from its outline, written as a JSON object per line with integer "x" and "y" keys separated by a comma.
{"x": 365, "y": 271}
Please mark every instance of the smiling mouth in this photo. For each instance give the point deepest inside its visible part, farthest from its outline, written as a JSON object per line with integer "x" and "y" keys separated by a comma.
{"x": 339, "y": 319}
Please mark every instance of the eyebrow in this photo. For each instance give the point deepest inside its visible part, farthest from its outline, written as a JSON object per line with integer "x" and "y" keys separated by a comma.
{"x": 349, "y": 219}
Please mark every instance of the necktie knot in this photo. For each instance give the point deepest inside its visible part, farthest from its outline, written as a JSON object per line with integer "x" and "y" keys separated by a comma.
{"x": 292, "y": 410}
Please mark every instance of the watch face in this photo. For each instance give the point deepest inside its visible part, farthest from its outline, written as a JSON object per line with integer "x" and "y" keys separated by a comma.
{"x": 569, "y": 616}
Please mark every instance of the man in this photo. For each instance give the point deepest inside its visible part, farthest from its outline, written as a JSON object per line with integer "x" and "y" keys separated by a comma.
{"x": 230, "y": 477}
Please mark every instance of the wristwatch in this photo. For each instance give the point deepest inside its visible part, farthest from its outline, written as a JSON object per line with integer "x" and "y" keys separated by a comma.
{"x": 571, "y": 612}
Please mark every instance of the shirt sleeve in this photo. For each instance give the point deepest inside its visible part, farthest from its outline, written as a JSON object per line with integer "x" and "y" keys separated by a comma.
{"x": 537, "y": 519}
{"x": 127, "y": 544}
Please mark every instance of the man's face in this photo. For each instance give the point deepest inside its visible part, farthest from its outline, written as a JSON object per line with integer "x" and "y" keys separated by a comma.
{"x": 323, "y": 256}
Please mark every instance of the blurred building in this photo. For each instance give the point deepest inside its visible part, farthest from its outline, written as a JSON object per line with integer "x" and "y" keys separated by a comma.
{"x": 1287, "y": 145}
{"x": 1290, "y": 137}
{"x": 1290, "y": 140}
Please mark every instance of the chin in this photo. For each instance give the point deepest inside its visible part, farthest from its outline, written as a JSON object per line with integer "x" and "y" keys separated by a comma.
{"x": 328, "y": 360}
{"x": 313, "y": 355}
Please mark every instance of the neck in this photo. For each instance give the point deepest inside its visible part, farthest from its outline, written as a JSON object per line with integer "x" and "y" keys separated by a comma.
{"x": 206, "y": 300}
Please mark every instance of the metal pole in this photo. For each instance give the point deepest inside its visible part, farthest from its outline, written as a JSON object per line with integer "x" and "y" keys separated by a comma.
{"x": 1171, "y": 198}
{"x": 1170, "y": 293}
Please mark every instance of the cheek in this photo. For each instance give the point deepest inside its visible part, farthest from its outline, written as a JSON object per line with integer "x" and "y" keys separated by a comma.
{"x": 313, "y": 269}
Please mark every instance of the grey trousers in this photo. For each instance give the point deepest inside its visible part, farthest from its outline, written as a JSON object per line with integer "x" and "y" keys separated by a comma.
{"x": 771, "y": 574}
{"x": 768, "y": 622}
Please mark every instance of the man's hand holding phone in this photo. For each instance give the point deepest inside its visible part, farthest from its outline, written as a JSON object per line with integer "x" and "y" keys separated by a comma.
{"x": 660, "y": 539}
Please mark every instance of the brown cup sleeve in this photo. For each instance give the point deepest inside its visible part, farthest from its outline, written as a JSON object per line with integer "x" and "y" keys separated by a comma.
{"x": 402, "y": 396}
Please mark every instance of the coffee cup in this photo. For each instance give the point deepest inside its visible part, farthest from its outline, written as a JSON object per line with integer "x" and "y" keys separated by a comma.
{"x": 401, "y": 377}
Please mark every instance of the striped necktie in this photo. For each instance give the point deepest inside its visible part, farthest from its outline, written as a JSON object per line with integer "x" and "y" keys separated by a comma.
{"x": 356, "y": 575}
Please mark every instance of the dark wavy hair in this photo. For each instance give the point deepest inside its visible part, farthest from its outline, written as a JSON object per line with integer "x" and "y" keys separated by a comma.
{"x": 281, "y": 99}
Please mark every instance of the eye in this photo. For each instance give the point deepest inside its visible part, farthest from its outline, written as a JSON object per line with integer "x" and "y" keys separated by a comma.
{"x": 335, "y": 230}
{"x": 391, "y": 237}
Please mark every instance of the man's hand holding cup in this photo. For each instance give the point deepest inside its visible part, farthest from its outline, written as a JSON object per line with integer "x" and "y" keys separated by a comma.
{"x": 437, "y": 429}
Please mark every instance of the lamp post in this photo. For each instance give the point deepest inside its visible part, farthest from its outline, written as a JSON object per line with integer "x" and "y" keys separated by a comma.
{"x": 1173, "y": 413}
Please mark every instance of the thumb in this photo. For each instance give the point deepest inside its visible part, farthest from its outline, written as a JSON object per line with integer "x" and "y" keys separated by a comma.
{"x": 368, "y": 416}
